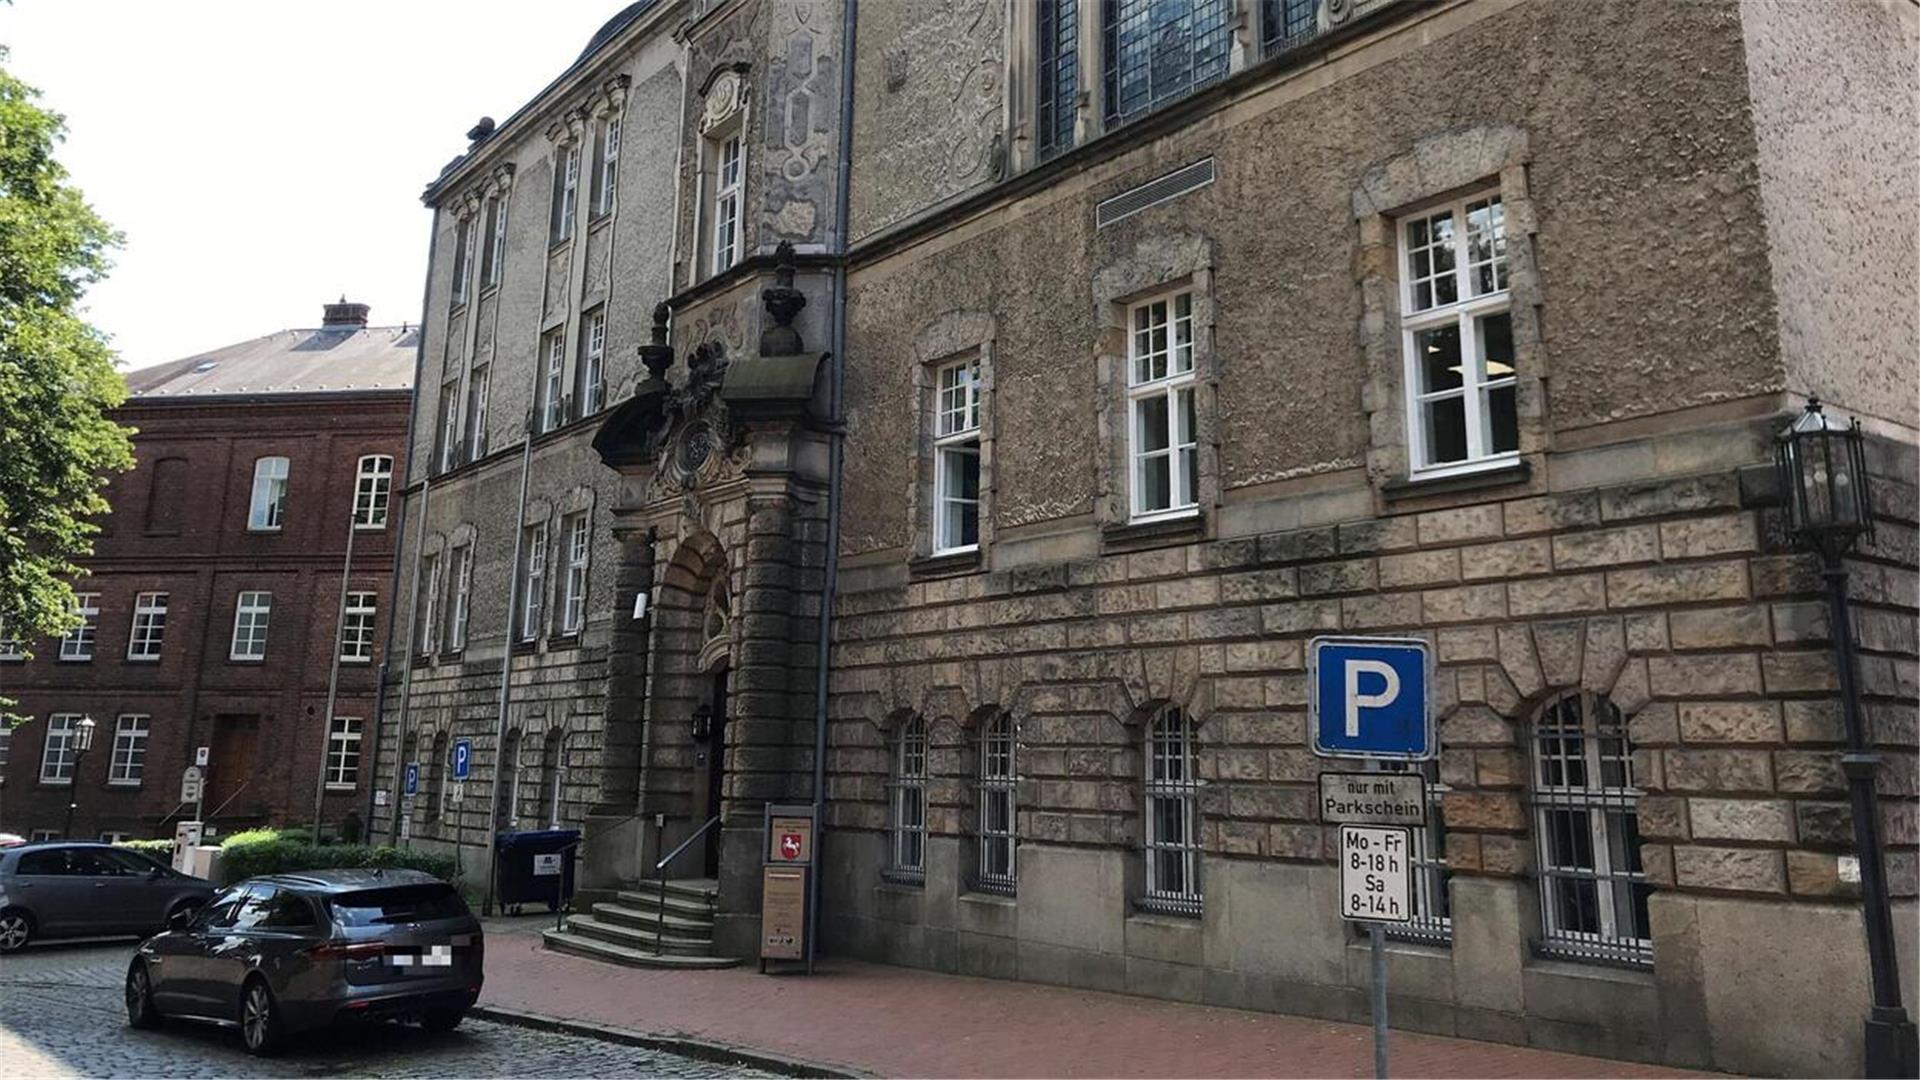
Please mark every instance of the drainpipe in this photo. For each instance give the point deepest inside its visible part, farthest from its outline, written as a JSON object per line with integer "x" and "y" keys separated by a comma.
{"x": 399, "y": 555}
{"x": 836, "y": 437}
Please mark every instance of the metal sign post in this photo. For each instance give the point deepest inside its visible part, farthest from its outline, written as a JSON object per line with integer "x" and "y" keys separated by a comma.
{"x": 1370, "y": 699}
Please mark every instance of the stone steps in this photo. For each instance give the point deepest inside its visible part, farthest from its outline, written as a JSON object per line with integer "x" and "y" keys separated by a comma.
{"x": 596, "y": 949}
{"x": 634, "y": 937}
{"x": 645, "y": 919}
{"x": 642, "y": 927}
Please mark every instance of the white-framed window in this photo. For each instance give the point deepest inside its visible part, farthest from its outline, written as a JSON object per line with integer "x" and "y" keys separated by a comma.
{"x": 907, "y": 801}
{"x": 115, "y": 837}
{"x": 56, "y": 756}
{"x": 6, "y": 749}
{"x": 428, "y": 632}
{"x": 533, "y": 579}
{"x": 372, "y": 488}
{"x": 149, "y": 628}
{"x": 462, "y": 597}
{"x": 593, "y": 353}
{"x": 11, "y": 647}
{"x": 129, "y": 750}
{"x": 478, "y": 385}
{"x": 343, "y": 754}
{"x": 462, "y": 259}
{"x": 449, "y": 425}
{"x": 78, "y": 642}
{"x": 566, "y": 190}
{"x": 42, "y": 834}
{"x": 493, "y": 262}
{"x": 995, "y": 798}
{"x": 356, "y": 628}
{"x": 956, "y": 458}
{"x": 1457, "y": 335}
{"x": 1593, "y": 886}
{"x": 729, "y": 169}
{"x": 1172, "y": 813}
{"x": 251, "y": 613}
{"x": 553, "y": 406}
{"x": 573, "y": 607}
{"x": 606, "y": 181}
{"x": 269, "y": 506}
{"x": 1162, "y": 447}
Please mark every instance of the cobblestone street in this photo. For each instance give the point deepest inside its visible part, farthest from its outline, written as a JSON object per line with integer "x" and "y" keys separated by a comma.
{"x": 61, "y": 1015}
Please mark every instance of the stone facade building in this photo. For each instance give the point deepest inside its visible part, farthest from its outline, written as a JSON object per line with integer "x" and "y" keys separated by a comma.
{"x": 1167, "y": 336}
{"x": 213, "y": 600}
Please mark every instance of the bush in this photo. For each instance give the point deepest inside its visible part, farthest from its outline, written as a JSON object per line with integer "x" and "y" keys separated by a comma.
{"x": 254, "y": 857}
{"x": 263, "y": 836}
{"x": 159, "y": 849}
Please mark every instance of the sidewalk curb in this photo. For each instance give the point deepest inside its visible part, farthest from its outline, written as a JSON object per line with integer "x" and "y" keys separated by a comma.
{"x": 703, "y": 1049}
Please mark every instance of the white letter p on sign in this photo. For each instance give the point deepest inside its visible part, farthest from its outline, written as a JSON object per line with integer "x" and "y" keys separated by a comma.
{"x": 1357, "y": 700}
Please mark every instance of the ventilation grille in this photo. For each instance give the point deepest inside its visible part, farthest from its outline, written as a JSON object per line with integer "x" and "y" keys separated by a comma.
{"x": 1153, "y": 192}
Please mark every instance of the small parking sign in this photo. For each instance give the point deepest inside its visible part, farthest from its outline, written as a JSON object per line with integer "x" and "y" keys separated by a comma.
{"x": 462, "y": 758}
{"x": 1368, "y": 697}
{"x": 411, "y": 785}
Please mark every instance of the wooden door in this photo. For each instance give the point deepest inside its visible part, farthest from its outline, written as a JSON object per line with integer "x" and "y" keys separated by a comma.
{"x": 231, "y": 779}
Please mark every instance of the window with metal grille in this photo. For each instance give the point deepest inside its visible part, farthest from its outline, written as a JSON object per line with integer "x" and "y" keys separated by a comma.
{"x": 907, "y": 802}
{"x": 1172, "y": 816}
{"x": 371, "y": 491}
{"x": 251, "y": 614}
{"x": 1593, "y": 887}
{"x": 1285, "y": 24}
{"x": 1057, "y": 73}
{"x": 343, "y": 753}
{"x": 995, "y": 801}
{"x": 78, "y": 642}
{"x": 1432, "y": 922}
{"x": 1158, "y": 51}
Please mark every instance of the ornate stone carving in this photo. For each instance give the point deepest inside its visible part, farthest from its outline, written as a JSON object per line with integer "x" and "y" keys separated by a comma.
{"x": 725, "y": 98}
{"x": 783, "y": 302}
{"x": 701, "y": 446}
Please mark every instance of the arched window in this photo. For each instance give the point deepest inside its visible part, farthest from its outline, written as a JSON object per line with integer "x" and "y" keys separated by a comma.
{"x": 1172, "y": 816}
{"x": 907, "y": 801}
{"x": 553, "y": 776}
{"x": 1593, "y": 888}
{"x": 996, "y": 822}
{"x": 437, "y": 777}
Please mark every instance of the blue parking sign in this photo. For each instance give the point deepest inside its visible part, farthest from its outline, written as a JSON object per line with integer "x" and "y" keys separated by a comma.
{"x": 411, "y": 785}
{"x": 462, "y": 758}
{"x": 1368, "y": 697}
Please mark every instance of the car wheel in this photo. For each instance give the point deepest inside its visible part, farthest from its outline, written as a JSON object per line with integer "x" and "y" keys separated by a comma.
{"x": 442, "y": 1019}
{"x": 141, "y": 1011}
{"x": 16, "y": 929}
{"x": 259, "y": 1019}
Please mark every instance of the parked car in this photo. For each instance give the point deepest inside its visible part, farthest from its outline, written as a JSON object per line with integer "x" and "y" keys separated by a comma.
{"x": 284, "y": 953}
{"x": 8, "y": 839}
{"x": 57, "y": 889}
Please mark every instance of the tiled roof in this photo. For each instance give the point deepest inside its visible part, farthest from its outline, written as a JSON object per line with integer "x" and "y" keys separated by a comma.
{"x": 331, "y": 359}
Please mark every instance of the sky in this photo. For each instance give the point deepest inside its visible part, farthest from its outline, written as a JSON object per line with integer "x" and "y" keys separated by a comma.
{"x": 263, "y": 157}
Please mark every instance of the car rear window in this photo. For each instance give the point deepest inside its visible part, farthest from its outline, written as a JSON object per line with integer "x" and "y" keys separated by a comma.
{"x": 399, "y": 904}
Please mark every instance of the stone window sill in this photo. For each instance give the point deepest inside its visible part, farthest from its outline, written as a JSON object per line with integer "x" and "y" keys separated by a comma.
{"x": 902, "y": 881}
{"x": 564, "y": 641}
{"x": 1542, "y": 959}
{"x": 1142, "y": 535}
{"x": 987, "y": 899}
{"x": 958, "y": 562}
{"x": 1517, "y": 472}
{"x": 1156, "y": 916}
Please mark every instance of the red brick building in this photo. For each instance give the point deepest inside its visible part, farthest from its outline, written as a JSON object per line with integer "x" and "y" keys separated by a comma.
{"x": 214, "y": 600}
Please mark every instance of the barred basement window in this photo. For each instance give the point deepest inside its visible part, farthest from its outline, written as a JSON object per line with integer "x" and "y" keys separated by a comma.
{"x": 1593, "y": 887}
{"x": 1172, "y": 816}
{"x": 78, "y": 642}
{"x": 1432, "y": 922}
{"x": 1058, "y": 73}
{"x": 1158, "y": 51}
{"x": 907, "y": 802}
{"x": 997, "y": 839}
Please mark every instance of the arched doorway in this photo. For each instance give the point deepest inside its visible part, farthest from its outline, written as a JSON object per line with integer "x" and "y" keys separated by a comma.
{"x": 716, "y": 633}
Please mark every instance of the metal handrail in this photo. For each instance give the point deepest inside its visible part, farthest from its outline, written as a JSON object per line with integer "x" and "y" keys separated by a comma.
{"x": 660, "y": 872}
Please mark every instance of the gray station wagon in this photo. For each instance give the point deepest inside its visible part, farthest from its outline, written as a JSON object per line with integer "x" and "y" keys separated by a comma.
{"x": 287, "y": 952}
{"x": 63, "y": 889}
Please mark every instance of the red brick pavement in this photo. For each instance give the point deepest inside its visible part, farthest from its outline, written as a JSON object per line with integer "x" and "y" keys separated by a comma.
{"x": 905, "y": 1022}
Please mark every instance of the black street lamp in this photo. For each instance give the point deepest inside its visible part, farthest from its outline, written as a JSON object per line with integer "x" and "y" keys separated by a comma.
{"x": 82, "y": 742}
{"x": 1823, "y": 482}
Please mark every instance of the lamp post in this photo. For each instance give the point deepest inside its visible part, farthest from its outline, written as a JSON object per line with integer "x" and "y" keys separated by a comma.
{"x": 82, "y": 742}
{"x": 1823, "y": 482}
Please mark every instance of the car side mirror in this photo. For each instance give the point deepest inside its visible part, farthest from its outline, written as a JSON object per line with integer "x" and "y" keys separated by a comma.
{"x": 180, "y": 920}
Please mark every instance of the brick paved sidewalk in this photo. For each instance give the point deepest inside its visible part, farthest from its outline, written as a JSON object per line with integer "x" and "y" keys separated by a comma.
{"x": 905, "y": 1022}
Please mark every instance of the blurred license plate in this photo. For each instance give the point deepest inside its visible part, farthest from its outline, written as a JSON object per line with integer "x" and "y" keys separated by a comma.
{"x": 429, "y": 959}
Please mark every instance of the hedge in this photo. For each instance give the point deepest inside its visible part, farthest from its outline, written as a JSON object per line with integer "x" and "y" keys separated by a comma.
{"x": 159, "y": 849}
{"x": 256, "y": 857}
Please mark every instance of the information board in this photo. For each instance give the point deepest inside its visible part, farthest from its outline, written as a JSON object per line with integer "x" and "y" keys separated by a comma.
{"x": 783, "y": 913}
{"x": 1376, "y": 873}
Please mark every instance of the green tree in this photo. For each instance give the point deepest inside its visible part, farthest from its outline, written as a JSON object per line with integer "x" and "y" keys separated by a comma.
{"x": 57, "y": 377}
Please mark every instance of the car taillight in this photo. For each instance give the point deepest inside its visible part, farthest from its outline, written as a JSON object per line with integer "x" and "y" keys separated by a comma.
{"x": 347, "y": 950}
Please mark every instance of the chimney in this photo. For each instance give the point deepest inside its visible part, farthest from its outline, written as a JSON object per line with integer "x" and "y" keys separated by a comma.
{"x": 344, "y": 314}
